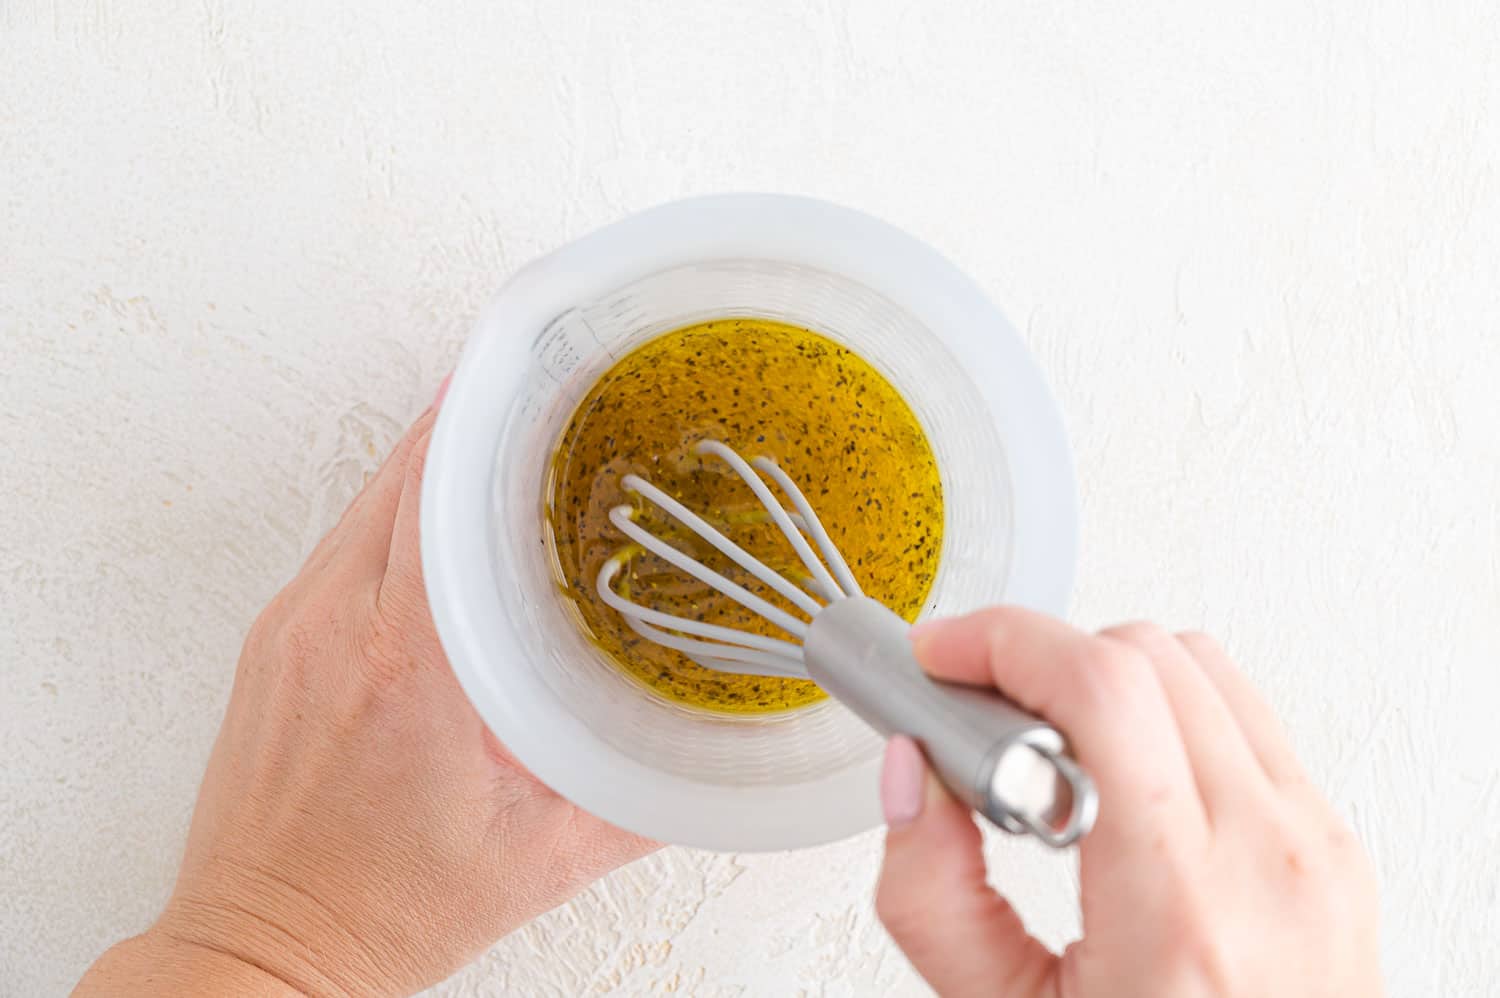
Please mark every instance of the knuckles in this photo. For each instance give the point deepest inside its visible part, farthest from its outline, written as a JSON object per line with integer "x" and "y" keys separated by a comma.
{"x": 309, "y": 637}
{"x": 299, "y": 634}
{"x": 1112, "y": 671}
{"x": 320, "y": 621}
{"x": 1143, "y": 634}
{"x": 1201, "y": 644}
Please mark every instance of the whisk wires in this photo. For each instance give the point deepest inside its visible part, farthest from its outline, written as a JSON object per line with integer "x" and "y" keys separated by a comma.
{"x": 729, "y": 648}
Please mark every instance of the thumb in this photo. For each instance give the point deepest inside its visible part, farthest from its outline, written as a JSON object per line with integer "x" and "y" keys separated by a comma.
{"x": 958, "y": 933}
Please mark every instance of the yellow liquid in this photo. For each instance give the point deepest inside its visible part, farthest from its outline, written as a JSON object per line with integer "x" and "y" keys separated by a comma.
{"x": 830, "y": 420}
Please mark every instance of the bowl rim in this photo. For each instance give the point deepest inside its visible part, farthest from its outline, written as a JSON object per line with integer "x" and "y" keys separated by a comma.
{"x": 478, "y": 636}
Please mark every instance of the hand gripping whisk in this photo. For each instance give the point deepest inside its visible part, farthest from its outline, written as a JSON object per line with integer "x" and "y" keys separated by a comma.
{"x": 1003, "y": 762}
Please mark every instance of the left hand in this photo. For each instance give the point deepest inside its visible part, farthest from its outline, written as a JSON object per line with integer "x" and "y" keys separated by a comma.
{"x": 359, "y": 830}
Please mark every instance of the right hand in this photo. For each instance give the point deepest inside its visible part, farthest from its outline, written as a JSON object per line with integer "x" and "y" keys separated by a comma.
{"x": 1215, "y": 867}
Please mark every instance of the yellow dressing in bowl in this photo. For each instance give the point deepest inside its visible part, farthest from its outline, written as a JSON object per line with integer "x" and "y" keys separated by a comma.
{"x": 825, "y": 415}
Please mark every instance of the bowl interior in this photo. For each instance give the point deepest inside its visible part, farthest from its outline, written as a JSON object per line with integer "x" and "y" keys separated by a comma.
{"x": 795, "y": 747}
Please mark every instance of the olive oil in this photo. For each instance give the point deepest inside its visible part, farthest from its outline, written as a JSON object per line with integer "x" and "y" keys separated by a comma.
{"x": 825, "y": 415}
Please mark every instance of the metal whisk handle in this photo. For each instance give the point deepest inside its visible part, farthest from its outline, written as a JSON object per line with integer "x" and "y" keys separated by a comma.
{"x": 1005, "y": 763}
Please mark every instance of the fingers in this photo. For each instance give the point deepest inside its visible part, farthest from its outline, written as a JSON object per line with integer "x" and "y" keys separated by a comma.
{"x": 403, "y": 574}
{"x": 362, "y": 539}
{"x": 1224, "y": 768}
{"x": 1103, "y": 695}
{"x": 403, "y": 571}
{"x": 1262, "y": 730}
{"x": 933, "y": 899}
{"x": 360, "y": 544}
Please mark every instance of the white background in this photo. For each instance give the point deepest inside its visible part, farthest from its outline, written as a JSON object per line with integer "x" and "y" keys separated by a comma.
{"x": 1253, "y": 245}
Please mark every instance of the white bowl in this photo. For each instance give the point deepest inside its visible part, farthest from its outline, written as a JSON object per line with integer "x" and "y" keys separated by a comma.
{"x": 591, "y": 733}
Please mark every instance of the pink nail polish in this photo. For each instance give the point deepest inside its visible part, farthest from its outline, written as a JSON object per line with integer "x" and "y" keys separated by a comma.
{"x": 902, "y": 781}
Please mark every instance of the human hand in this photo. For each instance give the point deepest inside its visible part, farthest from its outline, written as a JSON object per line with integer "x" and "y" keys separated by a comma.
{"x": 359, "y": 831}
{"x": 1215, "y": 867}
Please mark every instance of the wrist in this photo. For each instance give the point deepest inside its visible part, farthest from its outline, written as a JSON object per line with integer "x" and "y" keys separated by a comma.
{"x": 267, "y": 922}
{"x": 157, "y": 964}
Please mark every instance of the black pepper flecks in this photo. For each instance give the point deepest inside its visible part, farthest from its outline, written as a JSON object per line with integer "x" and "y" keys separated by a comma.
{"x": 833, "y": 423}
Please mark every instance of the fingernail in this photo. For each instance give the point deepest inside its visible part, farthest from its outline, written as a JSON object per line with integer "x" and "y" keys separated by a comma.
{"x": 443, "y": 389}
{"x": 903, "y": 779}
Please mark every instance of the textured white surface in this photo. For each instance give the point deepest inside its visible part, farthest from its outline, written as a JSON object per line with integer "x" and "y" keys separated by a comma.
{"x": 1254, "y": 245}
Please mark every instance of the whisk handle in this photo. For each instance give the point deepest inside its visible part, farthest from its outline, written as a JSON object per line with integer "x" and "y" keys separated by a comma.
{"x": 1005, "y": 763}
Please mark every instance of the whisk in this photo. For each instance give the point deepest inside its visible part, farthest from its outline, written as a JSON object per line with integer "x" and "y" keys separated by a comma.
{"x": 1003, "y": 762}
